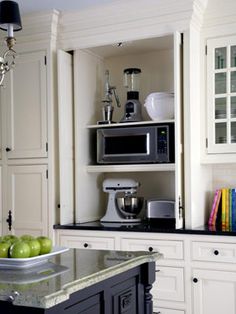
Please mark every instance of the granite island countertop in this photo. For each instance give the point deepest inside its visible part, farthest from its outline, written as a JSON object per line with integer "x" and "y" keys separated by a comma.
{"x": 54, "y": 281}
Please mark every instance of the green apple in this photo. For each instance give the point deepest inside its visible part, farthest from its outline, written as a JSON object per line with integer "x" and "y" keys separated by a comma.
{"x": 4, "y": 248}
{"x": 10, "y": 237}
{"x": 34, "y": 247}
{"x": 45, "y": 244}
{"x": 19, "y": 249}
{"x": 27, "y": 237}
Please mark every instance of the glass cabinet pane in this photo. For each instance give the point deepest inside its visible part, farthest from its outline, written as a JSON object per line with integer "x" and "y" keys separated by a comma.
{"x": 220, "y": 83}
{"x": 220, "y": 58}
{"x": 233, "y": 107}
{"x": 220, "y": 108}
{"x": 233, "y": 56}
{"x": 233, "y": 132}
{"x": 221, "y": 133}
{"x": 233, "y": 82}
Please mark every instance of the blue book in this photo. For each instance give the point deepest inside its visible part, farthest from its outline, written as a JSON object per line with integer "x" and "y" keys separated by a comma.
{"x": 233, "y": 208}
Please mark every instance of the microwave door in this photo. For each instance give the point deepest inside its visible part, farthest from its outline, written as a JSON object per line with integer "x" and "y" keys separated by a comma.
{"x": 133, "y": 145}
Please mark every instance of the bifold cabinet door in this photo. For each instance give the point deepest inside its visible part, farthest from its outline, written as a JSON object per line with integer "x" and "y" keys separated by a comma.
{"x": 26, "y": 107}
{"x": 27, "y": 199}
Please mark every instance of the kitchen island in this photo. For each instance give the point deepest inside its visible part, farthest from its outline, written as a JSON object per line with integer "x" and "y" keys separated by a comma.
{"x": 82, "y": 281}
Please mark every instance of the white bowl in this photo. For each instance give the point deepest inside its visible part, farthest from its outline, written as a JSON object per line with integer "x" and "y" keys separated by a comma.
{"x": 160, "y": 106}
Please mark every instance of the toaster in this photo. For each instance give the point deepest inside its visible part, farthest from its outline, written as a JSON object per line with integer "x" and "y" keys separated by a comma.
{"x": 160, "y": 209}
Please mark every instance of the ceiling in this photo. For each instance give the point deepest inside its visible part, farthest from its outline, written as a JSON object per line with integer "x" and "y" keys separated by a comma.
{"x": 30, "y": 6}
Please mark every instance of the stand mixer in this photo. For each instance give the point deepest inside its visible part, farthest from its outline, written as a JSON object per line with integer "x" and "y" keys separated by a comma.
{"x": 122, "y": 209}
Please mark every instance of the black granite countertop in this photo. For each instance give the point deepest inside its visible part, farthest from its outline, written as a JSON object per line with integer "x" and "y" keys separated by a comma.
{"x": 145, "y": 227}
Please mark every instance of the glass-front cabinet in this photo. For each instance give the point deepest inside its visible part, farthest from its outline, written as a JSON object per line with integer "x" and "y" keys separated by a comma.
{"x": 221, "y": 94}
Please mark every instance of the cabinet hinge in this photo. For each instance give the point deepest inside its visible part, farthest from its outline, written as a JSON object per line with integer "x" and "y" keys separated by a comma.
{"x": 206, "y": 142}
{"x": 46, "y": 174}
{"x": 47, "y": 147}
{"x": 206, "y": 50}
{"x": 180, "y": 208}
{"x": 45, "y": 60}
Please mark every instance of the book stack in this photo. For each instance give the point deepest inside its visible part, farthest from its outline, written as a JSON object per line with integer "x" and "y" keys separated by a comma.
{"x": 223, "y": 212}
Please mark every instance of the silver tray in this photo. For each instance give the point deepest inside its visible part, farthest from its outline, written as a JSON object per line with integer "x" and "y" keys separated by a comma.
{"x": 20, "y": 263}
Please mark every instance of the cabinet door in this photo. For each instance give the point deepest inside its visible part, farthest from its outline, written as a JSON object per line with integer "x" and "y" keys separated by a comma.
{"x": 26, "y": 107}
{"x": 65, "y": 123}
{"x": 214, "y": 292}
{"x": 221, "y": 94}
{"x": 178, "y": 51}
{"x": 27, "y": 199}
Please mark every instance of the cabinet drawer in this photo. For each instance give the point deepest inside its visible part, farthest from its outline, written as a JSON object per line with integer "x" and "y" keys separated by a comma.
{"x": 169, "y": 284}
{"x": 169, "y": 249}
{"x": 214, "y": 252}
{"x": 80, "y": 242}
{"x": 162, "y": 310}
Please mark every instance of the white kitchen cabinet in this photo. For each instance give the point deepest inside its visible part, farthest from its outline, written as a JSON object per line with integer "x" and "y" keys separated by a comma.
{"x": 27, "y": 199}
{"x": 24, "y": 145}
{"x": 162, "y": 310}
{"x": 25, "y": 103}
{"x": 197, "y": 274}
{"x": 221, "y": 94}
{"x": 161, "y": 71}
{"x": 213, "y": 275}
{"x": 214, "y": 292}
{"x": 83, "y": 240}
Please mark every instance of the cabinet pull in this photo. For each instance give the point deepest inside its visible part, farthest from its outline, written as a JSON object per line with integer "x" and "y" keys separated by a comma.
{"x": 8, "y": 149}
{"x": 85, "y": 245}
{"x": 157, "y": 270}
{"x": 9, "y": 220}
{"x": 150, "y": 249}
{"x": 216, "y": 252}
{"x": 195, "y": 280}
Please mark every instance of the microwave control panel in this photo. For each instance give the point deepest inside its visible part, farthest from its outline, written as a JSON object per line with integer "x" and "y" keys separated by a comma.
{"x": 163, "y": 144}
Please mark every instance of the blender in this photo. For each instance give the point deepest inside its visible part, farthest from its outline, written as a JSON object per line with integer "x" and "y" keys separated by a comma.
{"x": 133, "y": 105}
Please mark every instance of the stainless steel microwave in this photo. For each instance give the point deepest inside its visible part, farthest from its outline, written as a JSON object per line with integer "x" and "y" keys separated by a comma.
{"x": 136, "y": 144}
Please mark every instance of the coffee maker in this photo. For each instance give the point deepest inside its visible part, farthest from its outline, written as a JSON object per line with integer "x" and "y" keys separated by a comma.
{"x": 125, "y": 208}
{"x": 133, "y": 105}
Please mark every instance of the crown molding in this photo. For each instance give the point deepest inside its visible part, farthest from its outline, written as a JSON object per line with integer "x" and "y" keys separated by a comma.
{"x": 219, "y": 14}
{"x": 123, "y": 20}
{"x": 39, "y": 27}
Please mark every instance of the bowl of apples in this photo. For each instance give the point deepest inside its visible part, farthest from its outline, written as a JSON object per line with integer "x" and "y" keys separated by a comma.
{"x": 26, "y": 250}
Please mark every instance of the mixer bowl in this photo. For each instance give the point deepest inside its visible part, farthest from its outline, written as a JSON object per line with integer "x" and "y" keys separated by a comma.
{"x": 130, "y": 206}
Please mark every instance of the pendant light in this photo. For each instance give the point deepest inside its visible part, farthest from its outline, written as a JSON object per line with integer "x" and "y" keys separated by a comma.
{"x": 10, "y": 21}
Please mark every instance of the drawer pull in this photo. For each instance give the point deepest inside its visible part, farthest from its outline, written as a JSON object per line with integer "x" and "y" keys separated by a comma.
{"x": 195, "y": 280}
{"x": 85, "y": 245}
{"x": 150, "y": 249}
{"x": 216, "y": 252}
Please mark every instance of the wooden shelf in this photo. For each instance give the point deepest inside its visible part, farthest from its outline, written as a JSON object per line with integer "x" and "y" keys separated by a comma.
{"x": 131, "y": 168}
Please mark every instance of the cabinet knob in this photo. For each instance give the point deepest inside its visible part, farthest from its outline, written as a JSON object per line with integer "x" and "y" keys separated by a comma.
{"x": 8, "y": 149}
{"x": 195, "y": 280}
{"x": 216, "y": 252}
{"x": 85, "y": 245}
{"x": 150, "y": 249}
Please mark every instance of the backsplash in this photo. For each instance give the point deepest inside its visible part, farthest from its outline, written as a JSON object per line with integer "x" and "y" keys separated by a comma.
{"x": 223, "y": 176}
